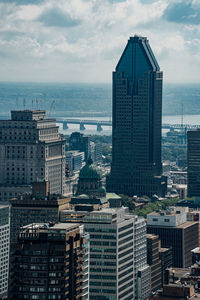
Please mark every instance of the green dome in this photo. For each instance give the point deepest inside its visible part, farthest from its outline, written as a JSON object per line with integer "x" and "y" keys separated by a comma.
{"x": 102, "y": 190}
{"x": 89, "y": 171}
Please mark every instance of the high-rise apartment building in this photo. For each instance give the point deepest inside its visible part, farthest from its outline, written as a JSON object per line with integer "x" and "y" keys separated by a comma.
{"x": 136, "y": 132}
{"x": 51, "y": 262}
{"x": 4, "y": 249}
{"x": 176, "y": 232}
{"x": 111, "y": 251}
{"x": 193, "y": 159}
{"x": 31, "y": 149}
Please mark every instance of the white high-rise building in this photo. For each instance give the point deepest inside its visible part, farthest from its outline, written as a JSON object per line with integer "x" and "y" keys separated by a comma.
{"x": 4, "y": 249}
{"x": 111, "y": 251}
{"x": 31, "y": 149}
{"x": 142, "y": 270}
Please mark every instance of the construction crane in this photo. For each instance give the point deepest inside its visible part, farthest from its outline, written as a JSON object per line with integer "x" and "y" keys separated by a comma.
{"x": 51, "y": 107}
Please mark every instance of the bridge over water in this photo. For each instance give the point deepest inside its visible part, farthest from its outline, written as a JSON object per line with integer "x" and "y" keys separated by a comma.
{"x": 99, "y": 124}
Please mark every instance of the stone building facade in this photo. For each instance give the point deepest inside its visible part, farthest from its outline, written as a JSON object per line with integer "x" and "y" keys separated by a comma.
{"x": 31, "y": 149}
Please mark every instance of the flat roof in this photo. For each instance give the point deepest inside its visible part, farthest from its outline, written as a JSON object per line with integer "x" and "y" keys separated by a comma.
{"x": 112, "y": 196}
{"x": 3, "y": 206}
{"x": 102, "y": 210}
{"x": 196, "y": 250}
{"x": 152, "y": 236}
{"x": 186, "y": 224}
{"x": 163, "y": 213}
{"x": 60, "y": 226}
{"x": 46, "y": 226}
{"x": 163, "y": 249}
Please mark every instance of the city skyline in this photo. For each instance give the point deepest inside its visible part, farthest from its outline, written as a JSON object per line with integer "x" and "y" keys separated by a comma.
{"x": 80, "y": 41}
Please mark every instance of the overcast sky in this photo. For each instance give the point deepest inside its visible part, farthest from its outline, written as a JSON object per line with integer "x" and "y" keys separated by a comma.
{"x": 82, "y": 40}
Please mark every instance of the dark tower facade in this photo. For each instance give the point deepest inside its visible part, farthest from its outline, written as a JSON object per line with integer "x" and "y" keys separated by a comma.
{"x": 137, "y": 112}
{"x": 193, "y": 159}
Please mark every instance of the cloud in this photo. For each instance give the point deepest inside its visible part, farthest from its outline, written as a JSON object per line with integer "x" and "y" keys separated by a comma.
{"x": 79, "y": 40}
{"x": 147, "y": 1}
{"x": 187, "y": 12}
{"x": 22, "y": 2}
{"x": 57, "y": 17}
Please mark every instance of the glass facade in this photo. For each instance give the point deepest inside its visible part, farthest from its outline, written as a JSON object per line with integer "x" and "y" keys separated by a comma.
{"x": 137, "y": 110}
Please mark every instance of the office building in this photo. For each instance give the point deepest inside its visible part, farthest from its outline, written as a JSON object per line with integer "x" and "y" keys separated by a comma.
{"x": 38, "y": 207}
{"x": 141, "y": 269}
{"x": 51, "y": 262}
{"x": 153, "y": 260}
{"x": 193, "y": 159}
{"x": 166, "y": 257}
{"x": 136, "y": 167}
{"x": 31, "y": 150}
{"x": 4, "y": 249}
{"x": 176, "y": 232}
{"x": 77, "y": 141}
{"x": 111, "y": 251}
{"x": 74, "y": 160}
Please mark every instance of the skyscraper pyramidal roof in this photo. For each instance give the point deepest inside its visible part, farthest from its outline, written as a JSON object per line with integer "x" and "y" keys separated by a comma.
{"x": 137, "y": 58}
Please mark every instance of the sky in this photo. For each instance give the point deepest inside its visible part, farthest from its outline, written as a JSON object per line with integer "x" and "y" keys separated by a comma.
{"x": 82, "y": 40}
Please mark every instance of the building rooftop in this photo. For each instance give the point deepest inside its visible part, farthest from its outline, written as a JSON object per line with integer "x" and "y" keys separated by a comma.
{"x": 112, "y": 196}
{"x": 165, "y": 213}
{"x": 163, "y": 250}
{"x": 152, "y": 236}
{"x": 196, "y": 250}
{"x": 186, "y": 224}
{"x": 3, "y": 206}
{"x": 27, "y": 115}
{"x": 49, "y": 226}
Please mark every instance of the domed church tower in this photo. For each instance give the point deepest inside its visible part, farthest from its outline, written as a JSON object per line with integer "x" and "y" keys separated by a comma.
{"x": 90, "y": 181}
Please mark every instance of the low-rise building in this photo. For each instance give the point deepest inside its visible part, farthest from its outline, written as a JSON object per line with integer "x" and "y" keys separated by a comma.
{"x": 175, "y": 292}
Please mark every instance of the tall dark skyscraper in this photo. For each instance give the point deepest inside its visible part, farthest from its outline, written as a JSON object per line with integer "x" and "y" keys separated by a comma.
{"x": 193, "y": 161}
{"x": 137, "y": 112}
